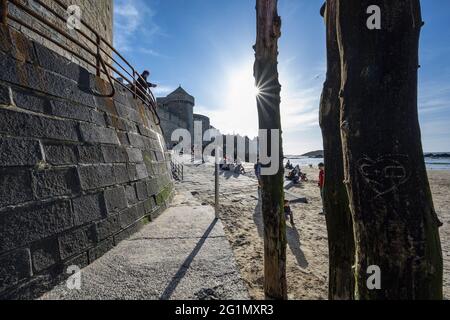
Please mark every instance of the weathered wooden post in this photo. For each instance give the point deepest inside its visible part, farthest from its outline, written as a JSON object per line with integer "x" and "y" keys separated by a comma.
{"x": 396, "y": 227}
{"x": 272, "y": 193}
{"x": 341, "y": 246}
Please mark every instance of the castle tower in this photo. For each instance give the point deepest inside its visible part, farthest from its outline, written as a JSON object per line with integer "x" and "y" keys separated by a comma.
{"x": 180, "y": 105}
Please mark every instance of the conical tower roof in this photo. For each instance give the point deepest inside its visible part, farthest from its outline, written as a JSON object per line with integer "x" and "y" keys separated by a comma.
{"x": 180, "y": 94}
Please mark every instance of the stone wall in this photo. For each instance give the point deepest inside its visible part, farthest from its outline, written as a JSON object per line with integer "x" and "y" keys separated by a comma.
{"x": 177, "y": 112}
{"x": 206, "y": 125}
{"x": 169, "y": 123}
{"x": 78, "y": 172}
{"x": 96, "y": 13}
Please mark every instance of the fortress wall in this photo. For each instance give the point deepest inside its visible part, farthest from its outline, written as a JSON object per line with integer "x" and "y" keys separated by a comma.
{"x": 96, "y": 13}
{"x": 206, "y": 124}
{"x": 169, "y": 123}
{"x": 78, "y": 172}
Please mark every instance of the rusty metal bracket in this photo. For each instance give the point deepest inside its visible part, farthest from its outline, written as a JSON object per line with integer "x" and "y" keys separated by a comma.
{"x": 113, "y": 92}
{"x": 4, "y": 12}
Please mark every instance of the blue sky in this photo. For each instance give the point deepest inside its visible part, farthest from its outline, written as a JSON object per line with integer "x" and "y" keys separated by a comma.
{"x": 206, "y": 46}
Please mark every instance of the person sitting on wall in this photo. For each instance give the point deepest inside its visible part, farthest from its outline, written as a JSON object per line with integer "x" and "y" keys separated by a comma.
{"x": 142, "y": 85}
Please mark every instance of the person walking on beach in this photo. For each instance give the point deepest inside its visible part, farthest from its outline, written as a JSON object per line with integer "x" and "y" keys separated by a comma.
{"x": 321, "y": 183}
{"x": 288, "y": 212}
{"x": 258, "y": 172}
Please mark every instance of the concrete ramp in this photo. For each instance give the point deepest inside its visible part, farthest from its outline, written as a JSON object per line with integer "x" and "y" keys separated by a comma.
{"x": 183, "y": 254}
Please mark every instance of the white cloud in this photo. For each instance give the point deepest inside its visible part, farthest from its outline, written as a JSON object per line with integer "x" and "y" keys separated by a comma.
{"x": 300, "y": 110}
{"x": 131, "y": 19}
{"x": 149, "y": 52}
{"x": 433, "y": 97}
{"x": 162, "y": 90}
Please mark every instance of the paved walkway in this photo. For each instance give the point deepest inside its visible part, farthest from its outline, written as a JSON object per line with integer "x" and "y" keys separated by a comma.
{"x": 183, "y": 254}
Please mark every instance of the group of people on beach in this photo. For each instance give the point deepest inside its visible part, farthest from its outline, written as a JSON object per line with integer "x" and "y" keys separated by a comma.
{"x": 287, "y": 208}
{"x": 295, "y": 174}
{"x": 236, "y": 166}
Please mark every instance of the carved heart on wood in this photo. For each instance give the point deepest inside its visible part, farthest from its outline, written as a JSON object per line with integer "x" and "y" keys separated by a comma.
{"x": 384, "y": 174}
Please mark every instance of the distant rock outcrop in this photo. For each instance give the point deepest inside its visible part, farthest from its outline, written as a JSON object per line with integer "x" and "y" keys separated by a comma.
{"x": 437, "y": 155}
{"x": 314, "y": 154}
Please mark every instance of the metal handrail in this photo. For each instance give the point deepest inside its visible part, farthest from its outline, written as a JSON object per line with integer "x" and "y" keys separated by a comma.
{"x": 177, "y": 170}
{"x": 100, "y": 65}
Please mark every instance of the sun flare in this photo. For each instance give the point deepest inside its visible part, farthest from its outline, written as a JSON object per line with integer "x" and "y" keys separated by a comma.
{"x": 256, "y": 91}
{"x": 238, "y": 112}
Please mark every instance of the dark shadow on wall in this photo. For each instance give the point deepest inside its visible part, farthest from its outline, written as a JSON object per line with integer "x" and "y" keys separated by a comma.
{"x": 87, "y": 84}
{"x": 84, "y": 81}
{"x": 171, "y": 287}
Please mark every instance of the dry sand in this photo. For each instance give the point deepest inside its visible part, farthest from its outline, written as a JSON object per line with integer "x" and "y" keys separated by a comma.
{"x": 307, "y": 253}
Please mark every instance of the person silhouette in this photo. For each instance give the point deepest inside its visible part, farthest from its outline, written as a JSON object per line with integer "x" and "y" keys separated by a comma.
{"x": 143, "y": 85}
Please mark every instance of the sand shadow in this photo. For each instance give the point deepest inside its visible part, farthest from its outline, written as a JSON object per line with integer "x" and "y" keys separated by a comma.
{"x": 293, "y": 240}
{"x": 229, "y": 174}
{"x": 288, "y": 185}
{"x": 292, "y": 234}
{"x": 257, "y": 216}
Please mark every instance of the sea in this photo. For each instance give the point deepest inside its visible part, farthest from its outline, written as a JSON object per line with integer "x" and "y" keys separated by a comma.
{"x": 432, "y": 163}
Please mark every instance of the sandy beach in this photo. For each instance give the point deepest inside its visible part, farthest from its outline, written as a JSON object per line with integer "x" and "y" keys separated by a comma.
{"x": 307, "y": 253}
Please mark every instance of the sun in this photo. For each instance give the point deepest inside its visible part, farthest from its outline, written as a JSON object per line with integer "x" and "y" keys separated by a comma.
{"x": 242, "y": 85}
{"x": 239, "y": 112}
{"x": 256, "y": 91}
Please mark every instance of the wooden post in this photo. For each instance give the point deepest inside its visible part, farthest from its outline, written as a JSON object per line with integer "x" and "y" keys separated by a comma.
{"x": 395, "y": 224}
{"x": 4, "y": 13}
{"x": 268, "y": 103}
{"x": 339, "y": 220}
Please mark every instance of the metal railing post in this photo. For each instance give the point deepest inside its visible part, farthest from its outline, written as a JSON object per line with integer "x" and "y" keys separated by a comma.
{"x": 216, "y": 184}
{"x": 134, "y": 84}
{"x": 99, "y": 73}
{"x": 4, "y": 13}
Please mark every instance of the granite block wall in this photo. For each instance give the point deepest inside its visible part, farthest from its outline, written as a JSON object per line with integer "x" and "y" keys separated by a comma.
{"x": 96, "y": 13}
{"x": 169, "y": 123}
{"x": 78, "y": 172}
